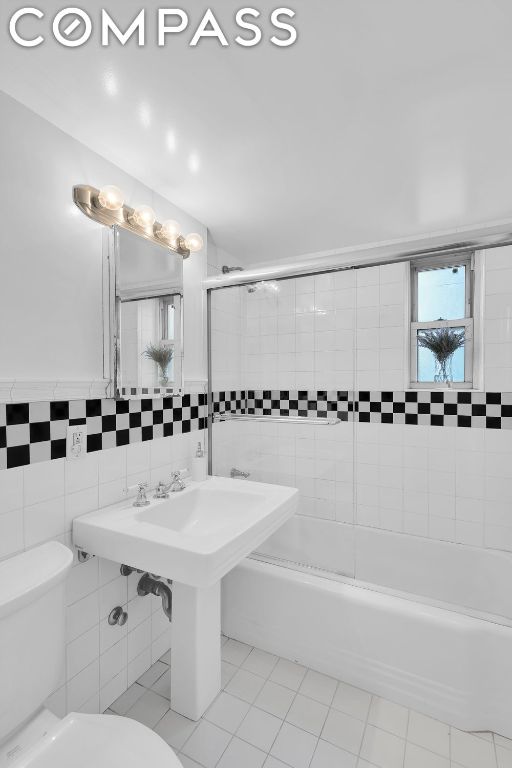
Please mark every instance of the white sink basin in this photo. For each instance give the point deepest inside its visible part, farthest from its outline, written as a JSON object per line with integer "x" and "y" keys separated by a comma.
{"x": 196, "y": 536}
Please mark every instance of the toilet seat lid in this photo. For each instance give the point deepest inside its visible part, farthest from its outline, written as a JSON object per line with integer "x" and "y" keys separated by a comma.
{"x": 99, "y": 741}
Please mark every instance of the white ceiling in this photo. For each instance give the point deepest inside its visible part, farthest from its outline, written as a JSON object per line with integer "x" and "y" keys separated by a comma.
{"x": 387, "y": 118}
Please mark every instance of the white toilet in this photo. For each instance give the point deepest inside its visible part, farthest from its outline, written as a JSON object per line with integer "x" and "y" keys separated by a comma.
{"x": 32, "y": 647}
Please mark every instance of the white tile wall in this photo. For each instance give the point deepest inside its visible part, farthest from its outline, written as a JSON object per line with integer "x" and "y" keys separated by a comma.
{"x": 350, "y": 331}
{"x": 39, "y": 502}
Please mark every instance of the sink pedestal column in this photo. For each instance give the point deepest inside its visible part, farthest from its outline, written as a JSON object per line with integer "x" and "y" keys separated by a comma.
{"x": 195, "y": 654}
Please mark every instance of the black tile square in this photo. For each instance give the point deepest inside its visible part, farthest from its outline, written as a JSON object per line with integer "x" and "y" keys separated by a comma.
{"x": 158, "y": 417}
{"x": 94, "y": 443}
{"x": 59, "y": 410}
{"x": 411, "y": 418}
{"x": 186, "y": 400}
{"x": 177, "y": 414}
{"x": 493, "y": 422}
{"x": 58, "y": 449}
{"x": 135, "y": 420}
{"x": 464, "y": 397}
{"x": 411, "y": 397}
{"x": 39, "y": 431}
{"x": 302, "y": 395}
{"x": 398, "y": 407}
{"x": 464, "y": 421}
{"x": 436, "y": 420}
{"x": 450, "y": 409}
{"x": 16, "y": 413}
{"x": 92, "y": 408}
{"x": 375, "y": 407}
{"x": 387, "y": 418}
{"x": 77, "y": 422}
{"x": 387, "y": 397}
{"x": 108, "y": 423}
{"x": 122, "y": 406}
{"x": 167, "y": 403}
{"x": 364, "y": 417}
{"x": 194, "y": 411}
{"x": 321, "y": 395}
{"x": 147, "y": 433}
{"x": 423, "y": 408}
{"x": 506, "y": 411}
{"x": 3, "y": 437}
{"x": 146, "y": 405}
{"x": 436, "y": 397}
{"x": 493, "y": 398}
{"x": 364, "y": 397}
{"x": 122, "y": 437}
{"x": 168, "y": 429}
{"x": 185, "y": 426}
{"x": 478, "y": 410}
{"x": 312, "y": 405}
{"x": 18, "y": 456}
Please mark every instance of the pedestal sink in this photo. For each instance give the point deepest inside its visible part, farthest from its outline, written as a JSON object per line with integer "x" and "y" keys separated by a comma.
{"x": 194, "y": 538}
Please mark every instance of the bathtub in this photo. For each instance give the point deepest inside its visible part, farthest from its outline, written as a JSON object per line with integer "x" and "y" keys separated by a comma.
{"x": 427, "y": 624}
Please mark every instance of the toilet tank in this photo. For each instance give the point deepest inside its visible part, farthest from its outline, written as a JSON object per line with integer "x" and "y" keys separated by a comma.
{"x": 32, "y": 630}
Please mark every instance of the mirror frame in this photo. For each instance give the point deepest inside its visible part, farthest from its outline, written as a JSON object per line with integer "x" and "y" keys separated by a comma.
{"x": 112, "y": 326}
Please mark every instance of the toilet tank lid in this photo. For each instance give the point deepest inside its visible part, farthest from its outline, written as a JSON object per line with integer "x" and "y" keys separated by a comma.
{"x": 24, "y": 577}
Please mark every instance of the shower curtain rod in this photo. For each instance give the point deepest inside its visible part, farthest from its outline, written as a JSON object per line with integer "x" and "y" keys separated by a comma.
{"x": 319, "y": 422}
{"x": 493, "y": 235}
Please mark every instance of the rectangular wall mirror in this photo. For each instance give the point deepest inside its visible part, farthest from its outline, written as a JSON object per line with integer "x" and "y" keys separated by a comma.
{"x": 145, "y": 344}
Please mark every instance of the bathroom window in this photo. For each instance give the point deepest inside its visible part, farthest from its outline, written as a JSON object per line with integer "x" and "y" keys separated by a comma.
{"x": 442, "y": 322}
{"x": 168, "y": 307}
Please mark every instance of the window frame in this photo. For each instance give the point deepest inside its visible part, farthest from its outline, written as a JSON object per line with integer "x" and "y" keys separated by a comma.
{"x": 466, "y": 259}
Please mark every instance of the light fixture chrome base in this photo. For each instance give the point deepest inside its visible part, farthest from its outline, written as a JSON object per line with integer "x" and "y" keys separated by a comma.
{"x": 85, "y": 198}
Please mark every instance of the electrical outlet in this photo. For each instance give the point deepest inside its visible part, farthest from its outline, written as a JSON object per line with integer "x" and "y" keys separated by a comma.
{"x": 76, "y": 442}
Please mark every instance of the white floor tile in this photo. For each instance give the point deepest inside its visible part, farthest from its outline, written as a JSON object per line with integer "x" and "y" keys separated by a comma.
{"x": 383, "y": 749}
{"x": 260, "y": 728}
{"x": 318, "y": 687}
{"x": 245, "y": 685}
{"x": 388, "y": 716}
{"x": 328, "y": 756}
{"x": 207, "y": 744}
{"x": 293, "y": 746}
{"x": 428, "y": 733}
{"x": 343, "y": 731}
{"x": 471, "y": 751}
{"x": 353, "y": 701}
{"x": 275, "y": 699}
{"x": 188, "y": 763}
{"x": 150, "y": 677}
{"x": 272, "y": 762}
{"x": 307, "y": 714}
{"x": 288, "y": 673}
{"x": 175, "y": 729}
{"x": 149, "y": 709}
{"x": 260, "y": 663}
{"x": 227, "y": 712}
{"x": 417, "y": 757}
{"x": 235, "y": 652}
{"x": 127, "y": 699}
{"x": 163, "y": 685}
{"x": 227, "y": 671}
{"x": 239, "y": 754}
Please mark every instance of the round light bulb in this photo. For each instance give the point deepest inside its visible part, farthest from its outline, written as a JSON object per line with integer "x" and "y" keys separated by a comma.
{"x": 111, "y": 198}
{"x": 194, "y": 242}
{"x": 169, "y": 231}
{"x": 144, "y": 216}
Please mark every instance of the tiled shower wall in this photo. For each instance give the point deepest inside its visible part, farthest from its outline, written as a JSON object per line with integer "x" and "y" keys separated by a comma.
{"x": 38, "y": 502}
{"x": 420, "y": 474}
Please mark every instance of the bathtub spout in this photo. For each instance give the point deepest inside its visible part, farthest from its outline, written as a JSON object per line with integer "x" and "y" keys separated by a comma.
{"x": 149, "y": 586}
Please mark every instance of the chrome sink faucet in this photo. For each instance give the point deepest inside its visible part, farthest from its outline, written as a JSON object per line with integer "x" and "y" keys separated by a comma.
{"x": 177, "y": 482}
{"x": 141, "y": 500}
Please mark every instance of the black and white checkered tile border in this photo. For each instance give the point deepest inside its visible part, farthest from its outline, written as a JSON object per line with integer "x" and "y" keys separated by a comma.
{"x": 485, "y": 410}
{"x": 33, "y": 432}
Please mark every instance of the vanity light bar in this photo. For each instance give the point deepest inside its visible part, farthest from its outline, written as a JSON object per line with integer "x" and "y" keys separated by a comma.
{"x": 107, "y": 207}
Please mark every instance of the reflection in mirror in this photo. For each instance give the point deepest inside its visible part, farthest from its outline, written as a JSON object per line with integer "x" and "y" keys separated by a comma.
{"x": 149, "y": 317}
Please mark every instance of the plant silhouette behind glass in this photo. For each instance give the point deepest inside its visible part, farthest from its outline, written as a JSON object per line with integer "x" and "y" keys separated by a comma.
{"x": 443, "y": 343}
{"x": 162, "y": 356}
